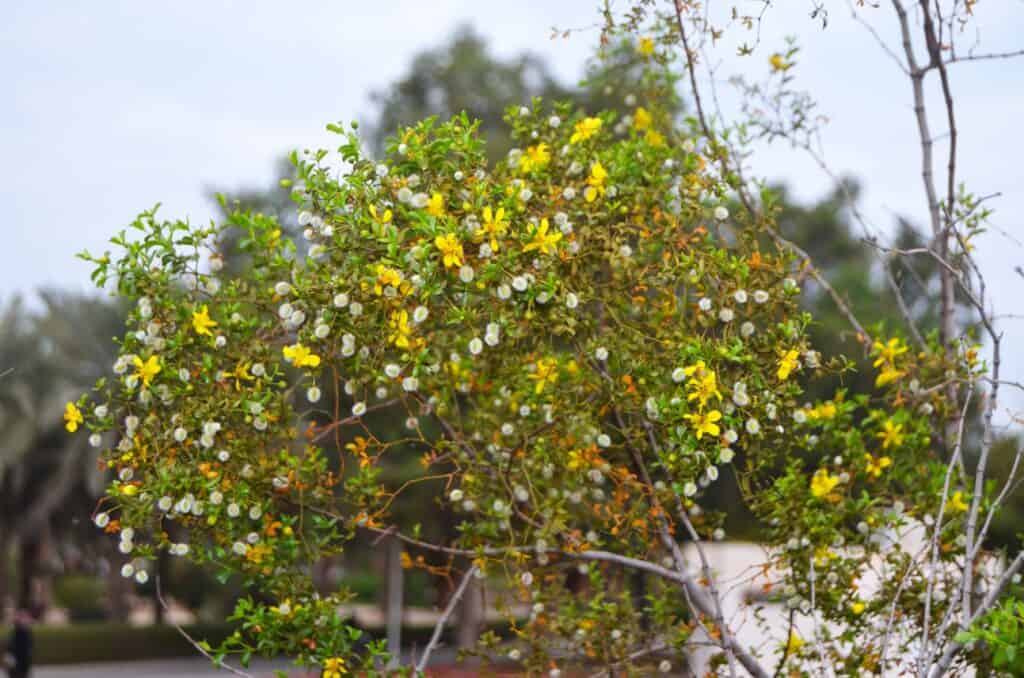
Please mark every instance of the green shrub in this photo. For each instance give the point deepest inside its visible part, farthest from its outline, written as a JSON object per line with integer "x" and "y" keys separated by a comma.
{"x": 82, "y": 595}
{"x": 99, "y": 642}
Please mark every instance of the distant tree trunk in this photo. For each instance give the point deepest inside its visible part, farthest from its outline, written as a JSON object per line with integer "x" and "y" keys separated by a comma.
{"x": 470, "y": 615}
{"x": 118, "y": 589}
{"x": 34, "y": 572}
{"x": 393, "y": 601}
{"x": 638, "y": 586}
{"x": 5, "y": 569}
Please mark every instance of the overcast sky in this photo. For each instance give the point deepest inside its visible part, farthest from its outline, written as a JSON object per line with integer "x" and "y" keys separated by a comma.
{"x": 115, "y": 106}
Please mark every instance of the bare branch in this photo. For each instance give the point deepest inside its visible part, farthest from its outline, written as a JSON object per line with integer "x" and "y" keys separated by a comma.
{"x": 219, "y": 663}
{"x": 435, "y": 637}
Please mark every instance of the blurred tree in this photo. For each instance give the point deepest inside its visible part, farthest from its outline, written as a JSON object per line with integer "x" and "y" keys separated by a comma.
{"x": 48, "y": 479}
{"x": 462, "y": 76}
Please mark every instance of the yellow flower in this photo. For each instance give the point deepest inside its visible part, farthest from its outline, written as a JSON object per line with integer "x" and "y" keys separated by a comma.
{"x": 450, "y": 248}
{"x": 703, "y": 386}
{"x": 535, "y": 158}
{"x": 541, "y": 239}
{"x": 72, "y": 417}
{"x": 494, "y": 225}
{"x": 641, "y": 119}
{"x": 435, "y": 206}
{"x": 887, "y": 376}
{"x": 705, "y": 423}
{"x": 645, "y": 46}
{"x": 399, "y": 330}
{"x": 778, "y": 62}
{"x": 546, "y": 372}
{"x": 876, "y": 466}
{"x": 654, "y": 138}
{"x": 146, "y": 370}
{"x": 389, "y": 277}
{"x": 256, "y": 554}
{"x": 888, "y": 352}
{"x": 794, "y": 643}
{"x": 822, "y": 483}
{"x": 129, "y": 490}
{"x": 857, "y": 607}
{"x": 892, "y": 434}
{"x": 822, "y": 411}
{"x": 300, "y": 356}
{"x": 956, "y": 503}
{"x": 334, "y": 667}
{"x": 585, "y": 128}
{"x": 787, "y": 364}
{"x": 595, "y": 182}
{"x": 241, "y": 374}
{"x": 201, "y": 321}
{"x": 384, "y": 218}
{"x": 822, "y": 555}
{"x": 578, "y": 459}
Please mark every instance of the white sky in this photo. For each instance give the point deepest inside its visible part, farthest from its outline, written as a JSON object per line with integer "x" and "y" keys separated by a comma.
{"x": 115, "y": 106}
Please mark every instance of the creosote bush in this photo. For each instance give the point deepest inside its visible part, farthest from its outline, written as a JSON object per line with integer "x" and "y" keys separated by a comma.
{"x": 578, "y": 339}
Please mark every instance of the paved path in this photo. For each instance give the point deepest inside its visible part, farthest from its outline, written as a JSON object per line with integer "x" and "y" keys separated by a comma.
{"x": 159, "y": 668}
{"x": 196, "y": 666}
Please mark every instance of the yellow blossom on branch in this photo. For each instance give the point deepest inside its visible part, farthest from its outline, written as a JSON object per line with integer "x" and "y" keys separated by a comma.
{"x": 779, "y": 63}
{"x": 654, "y": 138}
{"x": 585, "y": 128}
{"x": 389, "y": 277}
{"x": 435, "y": 206}
{"x": 202, "y": 323}
{"x": 300, "y": 356}
{"x": 887, "y": 376}
{"x": 399, "y": 329}
{"x": 494, "y": 226}
{"x": 596, "y": 182}
{"x": 241, "y": 374}
{"x": 645, "y": 46}
{"x": 450, "y": 248}
{"x": 822, "y": 483}
{"x": 641, "y": 119}
{"x": 541, "y": 239}
{"x": 956, "y": 503}
{"x": 702, "y": 383}
{"x": 705, "y": 424}
{"x": 876, "y": 466}
{"x": 888, "y": 352}
{"x": 535, "y": 158}
{"x": 823, "y": 411}
{"x": 72, "y": 417}
{"x": 383, "y": 218}
{"x": 891, "y": 434}
{"x": 789, "y": 362}
{"x": 545, "y": 372}
{"x": 146, "y": 370}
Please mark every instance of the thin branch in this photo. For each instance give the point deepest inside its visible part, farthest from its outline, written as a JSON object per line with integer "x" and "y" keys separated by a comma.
{"x": 986, "y": 57}
{"x": 219, "y": 663}
{"x": 435, "y": 638}
{"x": 939, "y": 670}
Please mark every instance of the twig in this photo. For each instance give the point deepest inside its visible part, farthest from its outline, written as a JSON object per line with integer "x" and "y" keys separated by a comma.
{"x": 220, "y": 663}
{"x": 435, "y": 638}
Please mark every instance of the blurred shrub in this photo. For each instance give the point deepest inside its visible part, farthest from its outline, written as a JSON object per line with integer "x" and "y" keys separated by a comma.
{"x": 365, "y": 583}
{"x": 104, "y": 642}
{"x": 82, "y": 596}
